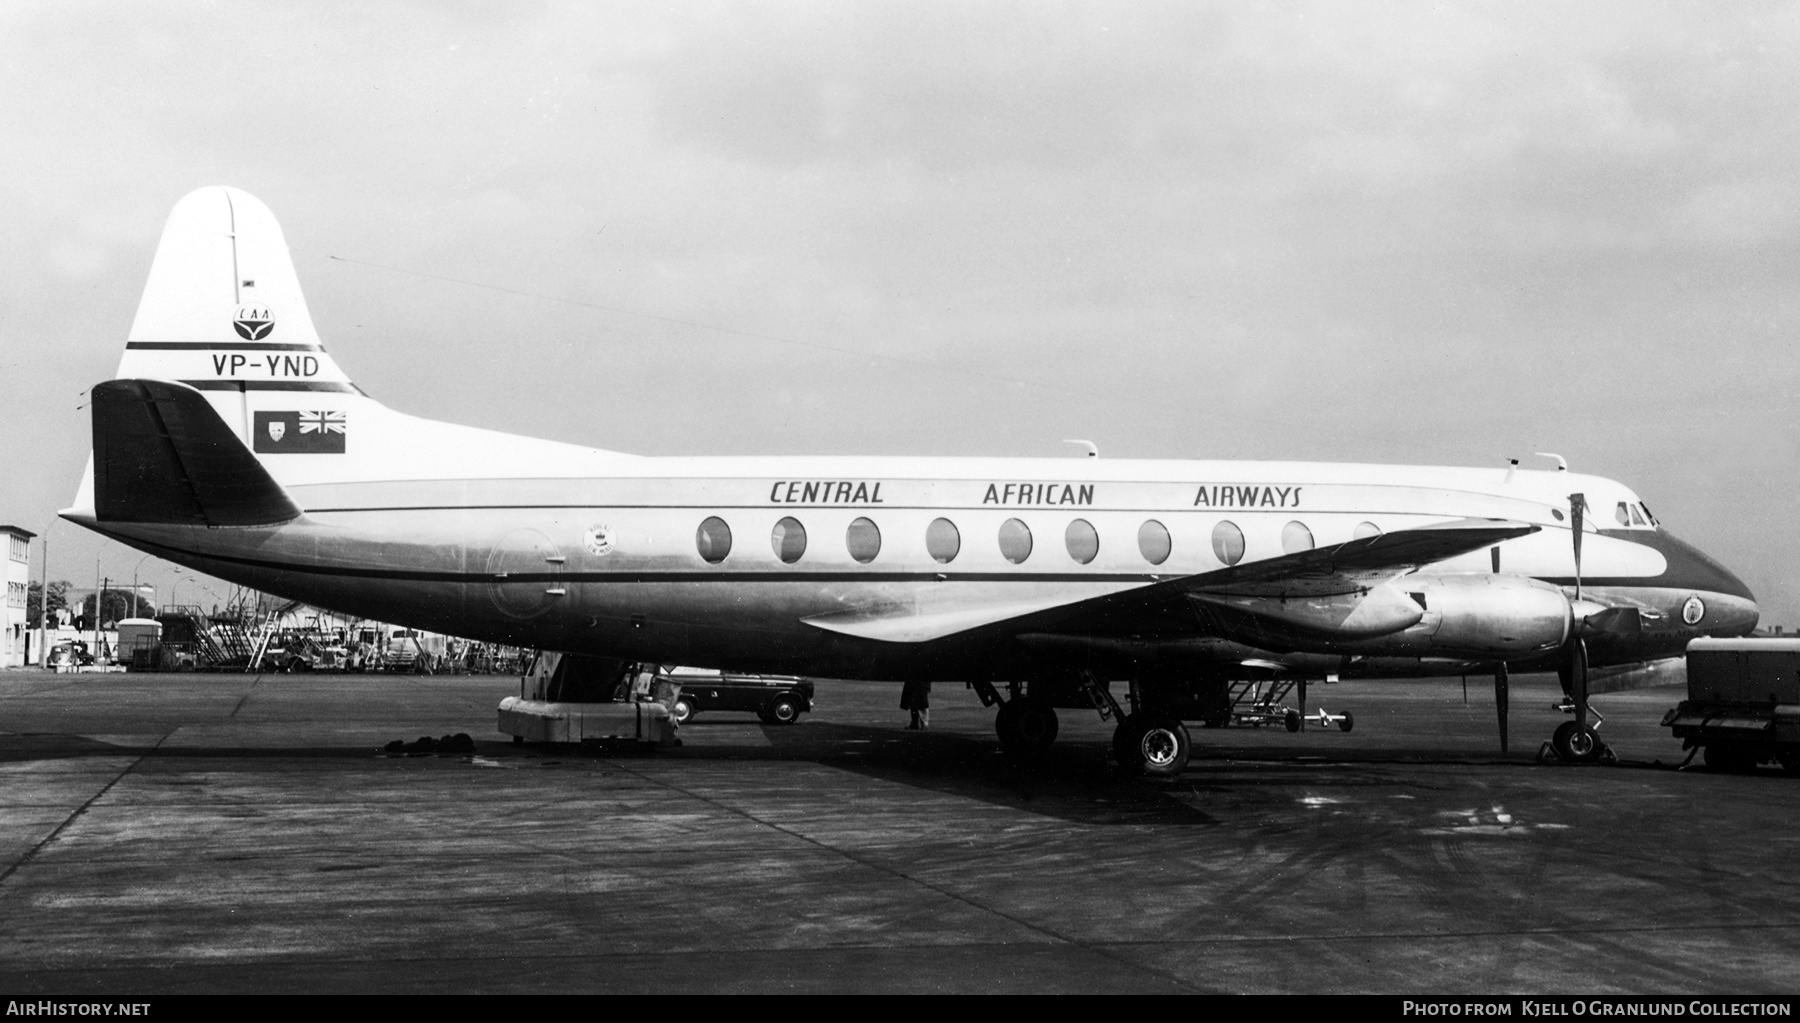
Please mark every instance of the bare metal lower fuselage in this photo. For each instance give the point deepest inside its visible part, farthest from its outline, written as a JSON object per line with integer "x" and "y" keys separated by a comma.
{"x": 521, "y": 574}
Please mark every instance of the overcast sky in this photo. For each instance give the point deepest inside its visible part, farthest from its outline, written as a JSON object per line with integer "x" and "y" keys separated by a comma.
{"x": 1440, "y": 234}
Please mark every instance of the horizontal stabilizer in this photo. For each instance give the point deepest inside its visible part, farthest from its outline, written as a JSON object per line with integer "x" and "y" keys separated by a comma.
{"x": 161, "y": 454}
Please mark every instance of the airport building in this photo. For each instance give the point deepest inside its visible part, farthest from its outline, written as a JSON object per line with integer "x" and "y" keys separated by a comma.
{"x": 14, "y": 638}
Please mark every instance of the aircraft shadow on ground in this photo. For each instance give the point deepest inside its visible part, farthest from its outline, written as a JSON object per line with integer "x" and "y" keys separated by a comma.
{"x": 1076, "y": 780}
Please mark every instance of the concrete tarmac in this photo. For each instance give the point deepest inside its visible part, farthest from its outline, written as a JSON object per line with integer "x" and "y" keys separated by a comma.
{"x": 233, "y": 833}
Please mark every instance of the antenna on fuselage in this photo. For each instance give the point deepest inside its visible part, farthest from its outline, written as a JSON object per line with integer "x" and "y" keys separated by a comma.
{"x": 1562, "y": 464}
{"x": 1512, "y": 466}
{"x": 1093, "y": 450}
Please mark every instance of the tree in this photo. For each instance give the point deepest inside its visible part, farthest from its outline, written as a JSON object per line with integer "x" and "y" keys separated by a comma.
{"x": 114, "y": 605}
{"x": 34, "y": 600}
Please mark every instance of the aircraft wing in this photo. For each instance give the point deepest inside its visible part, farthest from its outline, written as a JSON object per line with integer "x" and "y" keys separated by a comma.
{"x": 1335, "y": 590}
{"x": 1358, "y": 564}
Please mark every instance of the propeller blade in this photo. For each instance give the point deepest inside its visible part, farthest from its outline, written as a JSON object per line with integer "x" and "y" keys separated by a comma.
{"x": 1500, "y": 700}
{"x": 1577, "y": 507}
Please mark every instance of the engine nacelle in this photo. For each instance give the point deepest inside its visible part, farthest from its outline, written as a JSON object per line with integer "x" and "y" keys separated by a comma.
{"x": 1487, "y": 616}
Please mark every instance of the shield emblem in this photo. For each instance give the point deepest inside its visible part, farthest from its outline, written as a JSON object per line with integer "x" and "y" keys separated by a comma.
{"x": 277, "y": 430}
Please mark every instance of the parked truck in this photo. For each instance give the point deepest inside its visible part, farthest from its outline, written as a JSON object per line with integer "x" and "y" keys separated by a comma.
{"x": 1743, "y": 705}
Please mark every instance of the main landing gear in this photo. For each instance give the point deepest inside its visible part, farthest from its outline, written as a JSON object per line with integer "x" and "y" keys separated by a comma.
{"x": 1145, "y": 743}
{"x": 1151, "y": 745}
{"x": 1026, "y": 726}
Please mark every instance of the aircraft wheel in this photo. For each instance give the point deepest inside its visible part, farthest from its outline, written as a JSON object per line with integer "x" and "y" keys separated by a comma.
{"x": 1152, "y": 745}
{"x": 1348, "y": 722}
{"x": 1035, "y": 727}
{"x": 1006, "y": 724}
{"x": 683, "y": 711}
{"x": 1575, "y": 743}
{"x": 1292, "y": 720}
{"x": 1024, "y": 727}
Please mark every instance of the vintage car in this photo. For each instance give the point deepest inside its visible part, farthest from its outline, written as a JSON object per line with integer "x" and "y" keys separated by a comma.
{"x": 777, "y": 699}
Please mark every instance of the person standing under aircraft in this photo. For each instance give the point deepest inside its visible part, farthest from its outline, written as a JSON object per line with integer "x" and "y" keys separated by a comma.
{"x": 915, "y": 696}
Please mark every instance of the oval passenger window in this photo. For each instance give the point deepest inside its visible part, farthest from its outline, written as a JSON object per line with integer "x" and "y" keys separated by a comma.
{"x": 788, "y": 539}
{"x": 1082, "y": 541}
{"x": 1295, "y": 537}
{"x": 1153, "y": 542}
{"x": 713, "y": 539}
{"x": 1365, "y": 530}
{"x": 942, "y": 541}
{"x": 864, "y": 540}
{"x": 1015, "y": 541}
{"x": 1228, "y": 542}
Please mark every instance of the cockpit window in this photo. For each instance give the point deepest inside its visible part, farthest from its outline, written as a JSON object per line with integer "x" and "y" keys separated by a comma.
{"x": 1637, "y": 517}
{"x": 1648, "y": 515}
{"x": 1622, "y": 514}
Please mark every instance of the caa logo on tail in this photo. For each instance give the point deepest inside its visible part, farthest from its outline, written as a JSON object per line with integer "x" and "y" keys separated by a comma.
{"x": 254, "y": 322}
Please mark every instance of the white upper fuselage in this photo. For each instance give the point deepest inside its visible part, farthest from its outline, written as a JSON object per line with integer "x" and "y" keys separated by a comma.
{"x": 849, "y": 565}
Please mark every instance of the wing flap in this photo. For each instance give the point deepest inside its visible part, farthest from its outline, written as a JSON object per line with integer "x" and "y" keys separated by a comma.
{"x": 1343, "y": 580}
{"x": 906, "y": 625}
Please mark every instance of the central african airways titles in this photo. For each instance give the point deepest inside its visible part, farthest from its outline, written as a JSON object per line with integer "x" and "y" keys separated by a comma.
{"x": 1207, "y": 495}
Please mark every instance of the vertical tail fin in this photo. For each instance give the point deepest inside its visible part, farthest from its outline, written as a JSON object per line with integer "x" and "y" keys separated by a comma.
{"x": 222, "y": 311}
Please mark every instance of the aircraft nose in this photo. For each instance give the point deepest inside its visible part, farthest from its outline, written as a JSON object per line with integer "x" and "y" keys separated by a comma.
{"x": 1728, "y": 607}
{"x": 1692, "y": 568}
{"x": 1729, "y": 616}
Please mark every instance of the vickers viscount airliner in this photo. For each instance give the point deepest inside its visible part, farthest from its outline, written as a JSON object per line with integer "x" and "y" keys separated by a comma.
{"x": 233, "y": 443}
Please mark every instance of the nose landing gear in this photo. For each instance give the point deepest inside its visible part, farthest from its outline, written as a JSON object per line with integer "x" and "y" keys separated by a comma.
{"x": 1576, "y": 741}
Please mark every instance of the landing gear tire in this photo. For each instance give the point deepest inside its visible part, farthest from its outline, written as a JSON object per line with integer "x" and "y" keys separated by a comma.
{"x": 1006, "y": 724}
{"x": 1037, "y": 726}
{"x": 1348, "y": 722}
{"x": 1576, "y": 744}
{"x": 1151, "y": 746}
{"x": 1292, "y": 720}
{"x": 1026, "y": 728}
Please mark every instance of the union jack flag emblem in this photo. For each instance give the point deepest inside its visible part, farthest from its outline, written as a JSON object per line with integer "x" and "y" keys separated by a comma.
{"x": 321, "y": 422}
{"x": 290, "y": 432}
